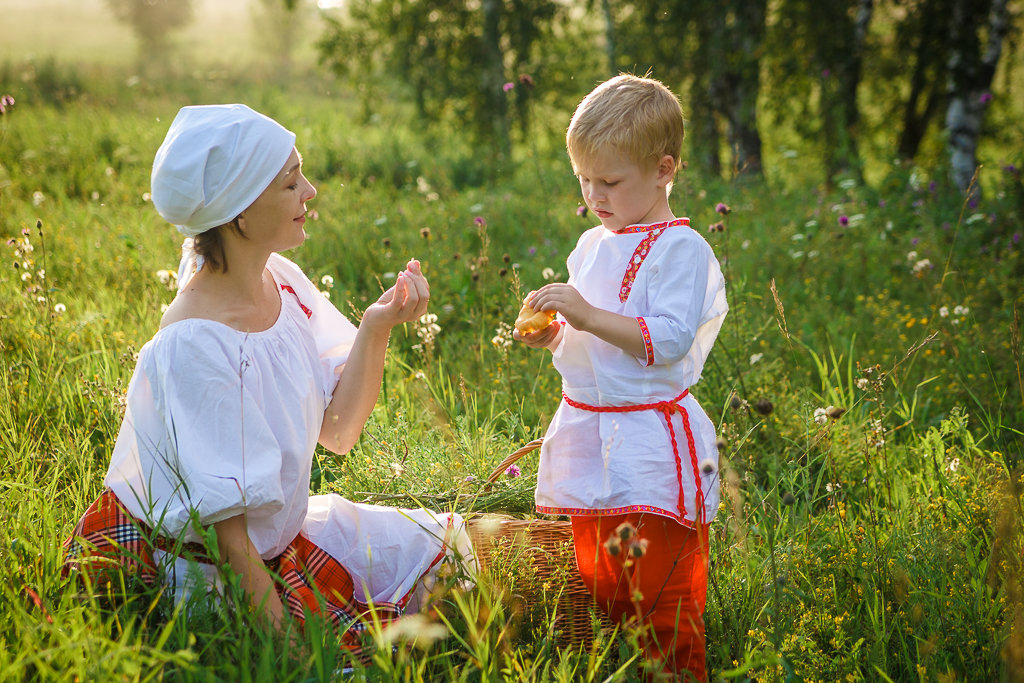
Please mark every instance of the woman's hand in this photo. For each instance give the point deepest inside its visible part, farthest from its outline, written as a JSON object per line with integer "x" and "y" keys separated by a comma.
{"x": 404, "y": 302}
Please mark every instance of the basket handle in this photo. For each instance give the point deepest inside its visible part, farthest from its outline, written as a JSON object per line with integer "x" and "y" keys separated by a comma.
{"x": 512, "y": 457}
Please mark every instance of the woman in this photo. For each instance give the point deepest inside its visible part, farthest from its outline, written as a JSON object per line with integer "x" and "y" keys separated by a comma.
{"x": 250, "y": 369}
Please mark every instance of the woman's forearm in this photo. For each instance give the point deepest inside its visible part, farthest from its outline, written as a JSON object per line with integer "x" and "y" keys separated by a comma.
{"x": 238, "y": 551}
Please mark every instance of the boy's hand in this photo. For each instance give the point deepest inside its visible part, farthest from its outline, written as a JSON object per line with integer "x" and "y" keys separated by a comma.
{"x": 566, "y": 300}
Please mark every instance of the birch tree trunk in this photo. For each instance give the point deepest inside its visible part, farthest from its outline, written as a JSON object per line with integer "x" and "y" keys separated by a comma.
{"x": 971, "y": 72}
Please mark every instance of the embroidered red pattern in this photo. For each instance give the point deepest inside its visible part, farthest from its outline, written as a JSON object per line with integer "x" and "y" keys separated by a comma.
{"x": 640, "y": 253}
{"x": 288, "y": 288}
{"x": 648, "y": 344}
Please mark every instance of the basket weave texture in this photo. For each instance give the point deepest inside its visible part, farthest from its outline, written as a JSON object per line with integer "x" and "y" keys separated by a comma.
{"x": 543, "y": 550}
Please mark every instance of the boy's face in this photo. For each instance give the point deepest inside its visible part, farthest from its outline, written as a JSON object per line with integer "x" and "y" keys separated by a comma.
{"x": 621, "y": 192}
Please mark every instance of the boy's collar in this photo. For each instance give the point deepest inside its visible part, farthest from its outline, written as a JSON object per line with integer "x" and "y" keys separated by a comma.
{"x": 653, "y": 226}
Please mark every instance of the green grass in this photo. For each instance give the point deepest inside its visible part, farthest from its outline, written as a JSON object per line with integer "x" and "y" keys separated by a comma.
{"x": 884, "y": 543}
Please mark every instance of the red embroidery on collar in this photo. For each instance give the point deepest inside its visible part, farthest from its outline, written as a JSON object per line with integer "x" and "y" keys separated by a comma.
{"x": 653, "y": 226}
{"x": 653, "y": 233}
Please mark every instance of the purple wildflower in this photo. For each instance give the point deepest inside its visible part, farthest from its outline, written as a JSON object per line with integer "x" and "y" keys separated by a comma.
{"x": 973, "y": 203}
{"x": 6, "y": 102}
{"x": 931, "y": 186}
{"x": 985, "y": 98}
{"x": 581, "y": 211}
{"x": 508, "y": 86}
{"x": 532, "y": 251}
{"x": 513, "y": 471}
{"x": 1016, "y": 238}
{"x": 480, "y": 221}
{"x": 526, "y": 79}
{"x": 881, "y": 203}
{"x": 915, "y": 241}
{"x": 825, "y": 73}
{"x": 844, "y": 221}
{"x": 722, "y": 208}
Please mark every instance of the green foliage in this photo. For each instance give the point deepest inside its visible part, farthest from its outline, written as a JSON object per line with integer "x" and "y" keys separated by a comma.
{"x": 877, "y": 540}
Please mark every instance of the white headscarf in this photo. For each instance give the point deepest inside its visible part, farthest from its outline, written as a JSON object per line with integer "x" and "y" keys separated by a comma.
{"x": 213, "y": 164}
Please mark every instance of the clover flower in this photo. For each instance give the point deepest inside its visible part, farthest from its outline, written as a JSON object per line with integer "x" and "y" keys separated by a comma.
{"x": 480, "y": 222}
{"x": 844, "y": 221}
{"x": 508, "y": 86}
{"x": 513, "y": 471}
{"x": 581, "y": 211}
{"x": 722, "y": 208}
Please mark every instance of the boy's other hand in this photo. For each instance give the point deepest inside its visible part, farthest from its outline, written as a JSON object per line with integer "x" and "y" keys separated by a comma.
{"x": 541, "y": 338}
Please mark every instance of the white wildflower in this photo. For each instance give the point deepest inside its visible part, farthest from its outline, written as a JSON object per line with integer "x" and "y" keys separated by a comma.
{"x": 745, "y": 244}
{"x": 820, "y": 415}
{"x": 325, "y": 293}
{"x": 38, "y": 198}
{"x": 756, "y": 357}
{"x": 953, "y": 465}
{"x": 146, "y": 196}
{"x": 944, "y": 312}
{"x": 920, "y": 266}
{"x": 59, "y": 309}
{"x": 961, "y": 310}
{"x": 911, "y": 256}
{"x": 327, "y": 281}
{"x": 863, "y": 384}
{"x": 547, "y": 273}
{"x": 26, "y": 276}
{"x": 502, "y": 338}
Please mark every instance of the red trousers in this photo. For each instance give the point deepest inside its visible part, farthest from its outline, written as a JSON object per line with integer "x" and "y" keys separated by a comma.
{"x": 672, "y": 577}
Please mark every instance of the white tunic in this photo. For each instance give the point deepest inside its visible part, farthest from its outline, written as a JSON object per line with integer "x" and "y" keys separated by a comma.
{"x": 615, "y": 463}
{"x": 220, "y": 421}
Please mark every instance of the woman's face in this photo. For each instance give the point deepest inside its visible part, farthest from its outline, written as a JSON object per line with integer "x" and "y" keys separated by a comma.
{"x": 277, "y": 216}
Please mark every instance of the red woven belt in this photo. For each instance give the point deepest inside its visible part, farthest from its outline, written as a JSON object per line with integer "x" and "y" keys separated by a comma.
{"x": 666, "y": 408}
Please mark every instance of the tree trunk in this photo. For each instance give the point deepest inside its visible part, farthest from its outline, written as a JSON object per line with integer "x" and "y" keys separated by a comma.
{"x": 737, "y": 83}
{"x": 971, "y": 73}
{"x": 926, "y": 31}
{"x": 492, "y": 76}
{"x": 609, "y": 37}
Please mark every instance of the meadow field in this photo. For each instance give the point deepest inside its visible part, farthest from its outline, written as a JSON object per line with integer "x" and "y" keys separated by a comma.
{"x": 867, "y": 386}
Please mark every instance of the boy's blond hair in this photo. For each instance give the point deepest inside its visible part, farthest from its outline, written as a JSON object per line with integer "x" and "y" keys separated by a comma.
{"x": 634, "y": 116}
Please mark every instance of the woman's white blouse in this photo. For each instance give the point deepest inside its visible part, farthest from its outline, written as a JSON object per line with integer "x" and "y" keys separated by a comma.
{"x": 268, "y": 391}
{"x": 221, "y": 422}
{"x": 614, "y": 463}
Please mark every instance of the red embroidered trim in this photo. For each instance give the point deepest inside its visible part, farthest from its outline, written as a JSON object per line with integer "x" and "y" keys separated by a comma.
{"x": 648, "y": 344}
{"x": 593, "y": 512}
{"x": 653, "y": 233}
{"x": 666, "y": 408}
{"x": 654, "y": 226}
{"x": 287, "y": 288}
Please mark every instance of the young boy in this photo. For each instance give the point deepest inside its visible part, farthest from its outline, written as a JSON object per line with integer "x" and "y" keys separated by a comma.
{"x": 636, "y": 320}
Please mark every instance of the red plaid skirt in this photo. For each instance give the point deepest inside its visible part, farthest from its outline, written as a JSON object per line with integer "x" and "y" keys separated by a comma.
{"x": 309, "y": 580}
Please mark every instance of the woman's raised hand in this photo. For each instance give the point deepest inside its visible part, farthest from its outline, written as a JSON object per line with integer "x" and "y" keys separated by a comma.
{"x": 404, "y": 302}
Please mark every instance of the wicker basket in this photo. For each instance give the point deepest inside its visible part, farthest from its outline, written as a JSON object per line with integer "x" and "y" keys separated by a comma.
{"x": 538, "y": 555}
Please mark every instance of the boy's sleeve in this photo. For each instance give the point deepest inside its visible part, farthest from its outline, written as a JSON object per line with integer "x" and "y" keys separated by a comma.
{"x": 685, "y": 300}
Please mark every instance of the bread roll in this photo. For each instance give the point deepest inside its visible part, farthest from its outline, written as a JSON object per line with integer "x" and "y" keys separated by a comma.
{"x": 530, "y": 321}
